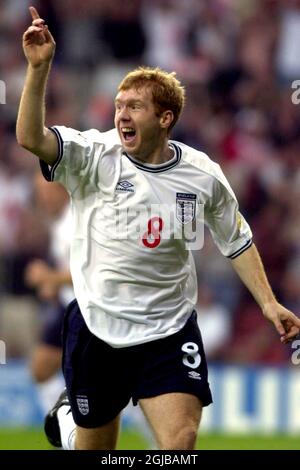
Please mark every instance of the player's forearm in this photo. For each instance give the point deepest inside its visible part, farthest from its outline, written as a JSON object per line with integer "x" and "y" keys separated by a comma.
{"x": 250, "y": 269}
{"x": 63, "y": 278}
{"x": 31, "y": 116}
{"x": 56, "y": 278}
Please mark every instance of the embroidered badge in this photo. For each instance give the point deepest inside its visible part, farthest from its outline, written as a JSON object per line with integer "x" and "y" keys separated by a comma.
{"x": 185, "y": 207}
{"x": 83, "y": 404}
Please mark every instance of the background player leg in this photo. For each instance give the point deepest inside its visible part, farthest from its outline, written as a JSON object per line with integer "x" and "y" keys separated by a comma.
{"x": 45, "y": 366}
{"x": 102, "y": 438}
{"x": 174, "y": 418}
{"x": 45, "y": 362}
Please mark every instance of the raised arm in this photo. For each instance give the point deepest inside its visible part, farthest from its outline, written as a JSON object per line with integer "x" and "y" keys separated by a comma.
{"x": 250, "y": 269}
{"x": 39, "y": 48}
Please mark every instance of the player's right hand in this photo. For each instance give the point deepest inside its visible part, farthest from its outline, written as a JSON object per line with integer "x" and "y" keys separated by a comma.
{"x": 38, "y": 43}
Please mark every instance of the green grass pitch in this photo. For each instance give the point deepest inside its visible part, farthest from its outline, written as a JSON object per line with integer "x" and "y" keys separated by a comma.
{"x": 34, "y": 439}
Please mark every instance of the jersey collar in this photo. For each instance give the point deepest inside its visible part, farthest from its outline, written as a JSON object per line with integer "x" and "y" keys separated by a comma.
{"x": 162, "y": 166}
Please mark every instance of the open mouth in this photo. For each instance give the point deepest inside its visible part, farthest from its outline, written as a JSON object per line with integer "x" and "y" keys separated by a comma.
{"x": 128, "y": 134}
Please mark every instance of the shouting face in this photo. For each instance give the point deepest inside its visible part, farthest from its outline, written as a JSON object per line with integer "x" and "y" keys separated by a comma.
{"x": 140, "y": 128}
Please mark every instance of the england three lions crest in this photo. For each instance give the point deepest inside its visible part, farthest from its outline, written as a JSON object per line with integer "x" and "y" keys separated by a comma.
{"x": 83, "y": 404}
{"x": 185, "y": 207}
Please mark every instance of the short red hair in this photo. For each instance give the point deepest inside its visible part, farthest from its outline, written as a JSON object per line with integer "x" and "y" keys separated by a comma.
{"x": 167, "y": 91}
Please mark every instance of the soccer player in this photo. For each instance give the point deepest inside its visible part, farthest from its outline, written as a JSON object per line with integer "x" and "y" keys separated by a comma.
{"x": 132, "y": 333}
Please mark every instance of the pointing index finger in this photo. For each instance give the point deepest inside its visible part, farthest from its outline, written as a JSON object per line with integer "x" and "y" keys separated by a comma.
{"x": 34, "y": 13}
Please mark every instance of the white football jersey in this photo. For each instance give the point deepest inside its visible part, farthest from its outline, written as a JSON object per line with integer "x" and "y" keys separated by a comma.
{"x": 134, "y": 223}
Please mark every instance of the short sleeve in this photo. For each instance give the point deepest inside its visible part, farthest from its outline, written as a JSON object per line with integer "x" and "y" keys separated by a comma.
{"x": 75, "y": 160}
{"x": 230, "y": 231}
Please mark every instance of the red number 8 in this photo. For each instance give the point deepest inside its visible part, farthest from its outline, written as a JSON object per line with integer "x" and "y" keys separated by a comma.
{"x": 152, "y": 238}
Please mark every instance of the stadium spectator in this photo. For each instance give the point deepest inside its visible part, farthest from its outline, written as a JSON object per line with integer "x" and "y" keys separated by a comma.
{"x": 52, "y": 281}
{"x": 137, "y": 295}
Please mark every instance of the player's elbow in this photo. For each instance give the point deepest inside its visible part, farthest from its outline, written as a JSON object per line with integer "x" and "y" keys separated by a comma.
{"x": 25, "y": 145}
{"x": 31, "y": 144}
{"x": 20, "y": 137}
{"x": 24, "y": 141}
{"x": 43, "y": 145}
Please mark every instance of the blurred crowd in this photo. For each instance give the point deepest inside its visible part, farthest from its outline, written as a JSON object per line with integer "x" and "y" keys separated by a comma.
{"x": 238, "y": 60}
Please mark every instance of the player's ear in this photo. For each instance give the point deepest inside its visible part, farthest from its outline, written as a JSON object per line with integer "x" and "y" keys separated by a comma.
{"x": 166, "y": 119}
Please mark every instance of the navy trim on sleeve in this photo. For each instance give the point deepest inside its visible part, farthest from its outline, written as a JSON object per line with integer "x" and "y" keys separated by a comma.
{"x": 241, "y": 250}
{"x": 47, "y": 170}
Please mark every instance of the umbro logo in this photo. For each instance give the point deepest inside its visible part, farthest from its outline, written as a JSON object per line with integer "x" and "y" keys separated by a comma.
{"x": 125, "y": 186}
{"x": 194, "y": 375}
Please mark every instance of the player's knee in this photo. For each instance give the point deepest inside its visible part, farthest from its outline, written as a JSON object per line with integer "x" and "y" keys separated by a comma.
{"x": 39, "y": 374}
{"x": 184, "y": 439}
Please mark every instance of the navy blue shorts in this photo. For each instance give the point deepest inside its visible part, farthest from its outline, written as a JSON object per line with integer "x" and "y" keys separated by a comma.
{"x": 101, "y": 379}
